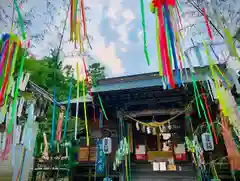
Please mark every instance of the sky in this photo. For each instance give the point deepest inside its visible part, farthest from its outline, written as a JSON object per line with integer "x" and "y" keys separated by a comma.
{"x": 116, "y": 28}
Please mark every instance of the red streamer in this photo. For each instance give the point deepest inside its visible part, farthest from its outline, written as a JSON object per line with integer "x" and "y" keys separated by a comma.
{"x": 209, "y": 116}
{"x": 207, "y": 24}
{"x": 87, "y": 78}
{"x": 164, "y": 46}
{"x": 179, "y": 17}
{"x": 83, "y": 19}
{"x": 161, "y": 25}
{"x": 10, "y": 58}
{"x": 157, "y": 3}
{"x": 71, "y": 21}
{"x": 3, "y": 60}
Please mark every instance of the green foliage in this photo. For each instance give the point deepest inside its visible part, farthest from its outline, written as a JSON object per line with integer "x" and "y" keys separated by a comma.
{"x": 49, "y": 73}
{"x": 96, "y": 72}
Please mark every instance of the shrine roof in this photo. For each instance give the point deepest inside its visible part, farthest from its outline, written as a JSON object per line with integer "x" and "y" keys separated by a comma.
{"x": 149, "y": 80}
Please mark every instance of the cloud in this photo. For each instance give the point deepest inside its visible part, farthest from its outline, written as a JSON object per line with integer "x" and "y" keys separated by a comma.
{"x": 123, "y": 49}
{"x": 128, "y": 16}
{"x": 102, "y": 52}
{"x": 140, "y": 36}
{"x": 107, "y": 55}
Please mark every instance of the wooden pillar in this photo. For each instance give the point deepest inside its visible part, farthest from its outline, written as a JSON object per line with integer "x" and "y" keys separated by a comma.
{"x": 158, "y": 140}
{"x": 120, "y": 119}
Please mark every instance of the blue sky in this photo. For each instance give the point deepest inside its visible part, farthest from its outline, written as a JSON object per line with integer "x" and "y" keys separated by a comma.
{"x": 117, "y": 34}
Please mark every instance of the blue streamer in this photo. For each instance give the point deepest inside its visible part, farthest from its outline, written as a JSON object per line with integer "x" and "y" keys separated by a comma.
{"x": 214, "y": 52}
{"x": 5, "y": 37}
{"x": 100, "y": 119}
{"x": 199, "y": 56}
{"x": 68, "y": 107}
{"x": 24, "y": 155}
{"x": 53, "y": 119}
{"x": 171, "y": 35}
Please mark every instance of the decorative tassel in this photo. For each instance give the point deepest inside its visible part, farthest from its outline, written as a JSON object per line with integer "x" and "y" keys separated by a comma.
{"x": 171, "y": 36}
{"x": 16, "y": 91}
{"x": 163, "y": 47}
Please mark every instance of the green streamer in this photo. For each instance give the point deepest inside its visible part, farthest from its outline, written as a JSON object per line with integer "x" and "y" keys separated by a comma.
{"x": 144, "y": 32}
{"x": 214, "y": 172}
{"x": 103, "y": 110}
{"x": 158, "y": 45}
{"x": 179, "y": 6}
{"x": 20, "y": 20}
{"x": 196, "y": 97}
{"x": 201, "y": 104}
{"x": 129, "y": 158}
{"x": 14, "y": 106}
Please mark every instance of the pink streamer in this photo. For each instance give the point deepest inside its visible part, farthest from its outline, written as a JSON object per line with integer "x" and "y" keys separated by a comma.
{"x": 7, "y": 148}
{"x": 4, "y": 57}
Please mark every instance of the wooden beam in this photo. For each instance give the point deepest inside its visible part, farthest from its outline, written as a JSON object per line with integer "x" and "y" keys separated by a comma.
{"x": 154, "y": 112}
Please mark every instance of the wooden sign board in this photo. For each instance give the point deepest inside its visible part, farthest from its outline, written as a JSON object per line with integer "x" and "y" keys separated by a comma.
{"x": 159, "y": 155}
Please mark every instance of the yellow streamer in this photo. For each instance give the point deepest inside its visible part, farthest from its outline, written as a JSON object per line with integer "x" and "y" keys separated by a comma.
{"x": 77, "y": 31}
{"x": 126, "y": 166}
{"x": 229, "y": 42}
{"x": 219, "y": 91}
{"x": 80, "y": 39}
{"x": 214, "y": 172}
{"x": 85, "y": 111}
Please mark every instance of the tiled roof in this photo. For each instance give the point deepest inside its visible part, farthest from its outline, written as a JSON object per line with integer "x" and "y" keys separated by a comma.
{"x": 148, "y": 80}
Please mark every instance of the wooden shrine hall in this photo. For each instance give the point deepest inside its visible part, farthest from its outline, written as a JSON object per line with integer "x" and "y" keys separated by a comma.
{"x": 153, "y": 121}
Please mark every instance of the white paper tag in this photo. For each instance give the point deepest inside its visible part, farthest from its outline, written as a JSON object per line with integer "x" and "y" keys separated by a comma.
{"x": 20, "y": 107}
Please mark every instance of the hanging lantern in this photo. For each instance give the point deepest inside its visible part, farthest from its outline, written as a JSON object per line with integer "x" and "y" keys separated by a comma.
{"x": 207, "y": 142}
